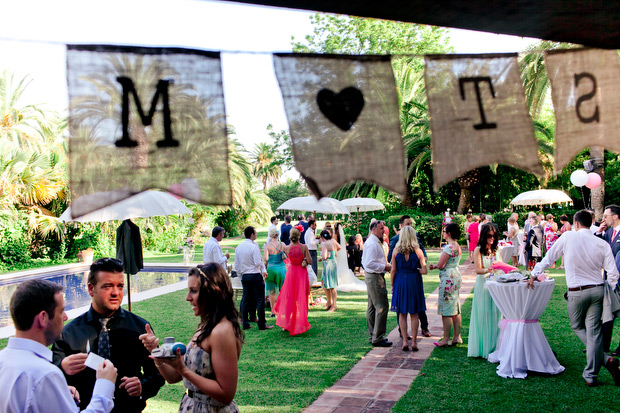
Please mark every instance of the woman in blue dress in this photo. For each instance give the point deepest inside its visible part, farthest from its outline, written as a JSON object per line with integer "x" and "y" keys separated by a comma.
{"x": 483, "y": 329}
{"x": 408, "y": 265}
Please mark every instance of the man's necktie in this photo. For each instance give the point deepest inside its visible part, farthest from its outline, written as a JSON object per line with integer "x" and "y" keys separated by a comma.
{"x": 613, "y": 234}
{"x": 104, "y": 339}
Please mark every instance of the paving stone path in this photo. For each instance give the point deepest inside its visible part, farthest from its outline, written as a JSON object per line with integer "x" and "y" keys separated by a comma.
{"x": 384, "y": 375}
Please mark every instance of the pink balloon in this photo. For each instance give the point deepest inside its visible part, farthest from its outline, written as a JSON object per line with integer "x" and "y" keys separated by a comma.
{"x": 594, "y": 180}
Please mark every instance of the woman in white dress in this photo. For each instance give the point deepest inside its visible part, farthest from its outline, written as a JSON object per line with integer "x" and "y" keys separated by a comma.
{"x": 347, "y": 281}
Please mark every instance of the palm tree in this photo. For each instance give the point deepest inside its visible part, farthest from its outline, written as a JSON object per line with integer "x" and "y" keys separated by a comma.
{"x": 267, "y": 164}
{"x": 19, "y": 124}
{"x": 536, "y": 84}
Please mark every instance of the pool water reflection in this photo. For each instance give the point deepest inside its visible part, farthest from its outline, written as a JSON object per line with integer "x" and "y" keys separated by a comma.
{"x": 76, "y": 290}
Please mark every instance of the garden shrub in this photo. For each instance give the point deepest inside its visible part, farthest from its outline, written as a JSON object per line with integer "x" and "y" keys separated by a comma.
{"x": 14, "y": 242}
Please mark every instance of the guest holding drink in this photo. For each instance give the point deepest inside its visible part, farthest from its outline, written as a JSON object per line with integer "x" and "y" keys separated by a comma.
{"x": 483, "y": 329}
{"x": 408, "y": 265}
{"x": 448, "y": 304}
{"x": 209, "y": 368}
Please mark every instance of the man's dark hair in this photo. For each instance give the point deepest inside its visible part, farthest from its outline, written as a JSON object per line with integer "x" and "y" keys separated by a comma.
{"x": 287, "y": 219}
{"x": 273, "y": 219}
{"x": 402, "y": 219}
{"x": 248, "y": 231}
{"x": 310, "y": 222}
{"x": 105, "y": 265}
{"x": 584, "y": 218}
{"x": 216, "y": 231}
{"x": 374, "y": 224}
{"x": 29, "y": 299}
{"x": 615, "y": 209}
{"x": 300, "y": 217}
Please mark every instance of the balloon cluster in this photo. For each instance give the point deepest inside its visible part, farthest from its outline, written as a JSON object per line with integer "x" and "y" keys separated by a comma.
{"x": 590, "y": 180}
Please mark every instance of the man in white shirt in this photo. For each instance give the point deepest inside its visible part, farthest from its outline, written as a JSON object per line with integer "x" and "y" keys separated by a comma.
{"x": 311, "y": 242}
{"x": 375, "y": 266}
{"x": 29, "y": 382}
{"x": 249, "y": 264}
{"x": 274, "y": 225}
{"x": 584, "y": 256}
{"x": 212, "y": 252}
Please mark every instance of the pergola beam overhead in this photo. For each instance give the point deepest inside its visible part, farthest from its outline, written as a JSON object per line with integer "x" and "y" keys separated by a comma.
{"x": 594, "y": 23}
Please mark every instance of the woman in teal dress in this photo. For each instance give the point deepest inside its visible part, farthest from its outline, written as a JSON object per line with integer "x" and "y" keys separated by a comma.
{"x": 483, "y": 329}
{"x": 448, "y": 303}
{"x": 276, "y": 269}
{"x": 329, "y": 247}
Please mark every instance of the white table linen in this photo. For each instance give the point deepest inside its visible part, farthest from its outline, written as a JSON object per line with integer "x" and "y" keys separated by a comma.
{"x": 522, "y": 345}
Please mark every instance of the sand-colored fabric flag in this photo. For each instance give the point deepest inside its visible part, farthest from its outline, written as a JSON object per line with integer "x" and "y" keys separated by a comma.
{"x": 143, "y": 118}
{"x": 344, "y": 120}
{"x": 585, "y": 89}
{"x": 478, "y": 115}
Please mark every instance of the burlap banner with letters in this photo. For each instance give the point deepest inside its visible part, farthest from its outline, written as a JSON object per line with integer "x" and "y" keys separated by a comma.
{"x": 145, "y": 118}
{"x": 585, "y": 88}
{"x": 344, "y": 120}
{"x": 478, "y": 115}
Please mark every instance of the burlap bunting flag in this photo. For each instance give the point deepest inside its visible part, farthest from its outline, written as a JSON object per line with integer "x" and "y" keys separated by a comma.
{"x": 344, "y": 120}
{"x": 585, "y": 86}
{"x": 478, "y": 115}
{"x": 145, "y": 118}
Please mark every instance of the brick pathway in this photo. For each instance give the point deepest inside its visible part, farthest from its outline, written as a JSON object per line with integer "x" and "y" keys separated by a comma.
{"x": 384, "y": 375}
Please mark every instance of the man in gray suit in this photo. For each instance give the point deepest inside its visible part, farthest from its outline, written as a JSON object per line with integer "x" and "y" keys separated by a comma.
{"x": 584, "y": 256}
{"x": 609, "y": 230}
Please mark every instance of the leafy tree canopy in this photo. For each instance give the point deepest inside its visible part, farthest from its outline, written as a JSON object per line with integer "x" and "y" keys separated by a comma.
{"x": 359, "y": 35}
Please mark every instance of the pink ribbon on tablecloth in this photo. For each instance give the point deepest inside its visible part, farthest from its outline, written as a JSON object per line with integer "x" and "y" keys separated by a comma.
{"x": 505, "y": 321}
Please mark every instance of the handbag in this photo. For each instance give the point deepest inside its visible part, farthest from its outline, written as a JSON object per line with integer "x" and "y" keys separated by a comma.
{"x": 304, "y": 263}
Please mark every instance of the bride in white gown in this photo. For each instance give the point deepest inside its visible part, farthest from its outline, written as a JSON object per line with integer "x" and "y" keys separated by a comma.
{"x": 346, "y": 280}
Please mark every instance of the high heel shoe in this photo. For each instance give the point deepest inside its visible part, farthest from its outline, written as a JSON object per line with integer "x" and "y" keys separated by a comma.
{"x": 459, "y": 341}
{"x": 441, "y": 345}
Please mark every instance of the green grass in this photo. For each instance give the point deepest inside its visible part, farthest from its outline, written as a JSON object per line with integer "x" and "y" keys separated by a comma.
{"x": 454, "y": 382}
{"x": 277, "y": 372}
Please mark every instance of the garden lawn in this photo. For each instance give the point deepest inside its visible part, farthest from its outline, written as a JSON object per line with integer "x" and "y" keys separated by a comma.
{"x": 454, "y": 382}
{"x": 277, "y": 372}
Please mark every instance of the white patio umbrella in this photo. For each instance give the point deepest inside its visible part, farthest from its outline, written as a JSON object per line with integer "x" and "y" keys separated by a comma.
{"x": 541, "y": 197}
{"x": 362, "y": 205}
{"x": 310, "y": 203}
{"x": 143, "y": 205}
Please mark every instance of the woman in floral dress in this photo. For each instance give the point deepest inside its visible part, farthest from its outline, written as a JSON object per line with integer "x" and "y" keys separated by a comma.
{"x": 449, "y": 306}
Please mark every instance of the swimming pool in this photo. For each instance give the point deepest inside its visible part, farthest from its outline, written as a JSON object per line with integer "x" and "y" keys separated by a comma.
{"x": 74, "y": 282}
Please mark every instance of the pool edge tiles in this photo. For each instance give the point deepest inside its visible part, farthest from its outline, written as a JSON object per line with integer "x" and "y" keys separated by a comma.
{"x": 9, "y": 331}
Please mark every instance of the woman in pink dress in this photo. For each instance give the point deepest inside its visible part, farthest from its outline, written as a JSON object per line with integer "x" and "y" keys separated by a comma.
{"x": 292, "y": 304}
{"x": 551, "y": 234}
{"x": 474, "y": 234}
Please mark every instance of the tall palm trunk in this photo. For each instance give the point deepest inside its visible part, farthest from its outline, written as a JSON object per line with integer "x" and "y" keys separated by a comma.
{"x": 467, "y": 181}
{"x": 597, "y": 154}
